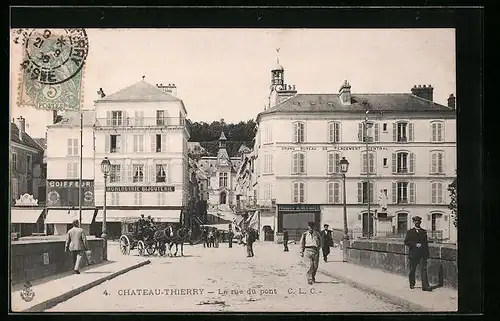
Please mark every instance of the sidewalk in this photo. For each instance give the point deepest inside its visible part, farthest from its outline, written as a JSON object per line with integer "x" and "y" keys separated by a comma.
{"x": 61, "y": 287}
{"x": 392, "y": 287}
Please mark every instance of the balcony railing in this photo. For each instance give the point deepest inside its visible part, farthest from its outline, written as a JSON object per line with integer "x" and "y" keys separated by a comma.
{"x": 140, "y": 122}
{"x": 402, "y": 139}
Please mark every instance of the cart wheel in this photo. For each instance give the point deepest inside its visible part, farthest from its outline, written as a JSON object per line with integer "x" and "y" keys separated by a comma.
{"x": 140, "y": 248}
{"x": 162, "y": 250}
{"x": 150, "y": 249}
{"x": 124, "y": 245}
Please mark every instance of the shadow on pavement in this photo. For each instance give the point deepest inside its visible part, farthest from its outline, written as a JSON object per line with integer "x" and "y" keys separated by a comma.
{"x": 328, "y": 282}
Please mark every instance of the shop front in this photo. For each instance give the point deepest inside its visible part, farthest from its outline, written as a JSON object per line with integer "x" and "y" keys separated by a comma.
{"x": 294, "y": 218}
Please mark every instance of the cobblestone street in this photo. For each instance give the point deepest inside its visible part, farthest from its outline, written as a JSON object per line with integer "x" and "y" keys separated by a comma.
{"x": 223, "y": 279}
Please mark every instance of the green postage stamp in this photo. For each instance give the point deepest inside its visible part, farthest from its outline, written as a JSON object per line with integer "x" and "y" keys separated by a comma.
{"x": 52, "y": 68}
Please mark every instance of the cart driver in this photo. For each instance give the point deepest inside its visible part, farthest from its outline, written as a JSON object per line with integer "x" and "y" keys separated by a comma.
{"x": 141, "y": 224}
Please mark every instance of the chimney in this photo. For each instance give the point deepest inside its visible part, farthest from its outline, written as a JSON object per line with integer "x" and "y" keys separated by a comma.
{"x": 452, "y": 101}
{"x": 425, "y": 92}
{"x": 345, "y": 93}
{"x": 21, "y": 126}
{"x": 101, "y": 93}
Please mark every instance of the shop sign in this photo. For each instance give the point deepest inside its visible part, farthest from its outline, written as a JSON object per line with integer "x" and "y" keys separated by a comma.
{"x": 299, "y": 208}
{"x": 140, "y": 189}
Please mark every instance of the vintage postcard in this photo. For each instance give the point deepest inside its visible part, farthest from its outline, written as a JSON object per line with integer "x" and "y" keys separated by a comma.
{"x": 233, "y": 170}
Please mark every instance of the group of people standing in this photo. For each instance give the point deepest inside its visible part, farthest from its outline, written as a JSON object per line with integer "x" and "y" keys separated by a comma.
{"x": 211, "y": 237}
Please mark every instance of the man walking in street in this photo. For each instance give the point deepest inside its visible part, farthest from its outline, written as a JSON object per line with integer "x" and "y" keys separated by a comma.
{"x": 416, "y": 240}
{"x": 76, "y": 243}
{"x": 216, "y": 237}
{"x": 250, "y": 239}
{"x": 204, "y": 236}
{"x": 285, "y": 240}
{"x": 326, "y": 234}
{"x": 230, "y": 236}
{"x": 310, "y": 243}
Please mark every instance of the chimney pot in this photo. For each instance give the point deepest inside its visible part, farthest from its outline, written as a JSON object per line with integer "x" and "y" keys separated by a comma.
{"x": 161, "y": 84}
{"x": 452, "y": 101}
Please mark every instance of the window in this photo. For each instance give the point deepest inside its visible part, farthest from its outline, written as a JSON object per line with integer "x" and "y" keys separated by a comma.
{"x": 370, "y": 165}
{"x": 116, "y": 118}
{"x": 138, "y": 173}
{"x": 365, "y": 188}
{"x": 72, "y": 170}
{"x": 299, "y": 132}
{"x": 28, "y": 163}
{"x": 385, "y": 162}
{"x": 115, "y": 198}
{"x": 114, "y": 143}
{"x": 437, "y": 162}
{"x": 334, "y": 192}
{"x": 137, "y": 198}
{"x": 298, "y": 166}
{"x": 436, "y": 192}
{"x": 371, "y": 134}
{"x": 161, "y": 198}
{"x": 139, "y": 117}
{"x": 160, "y": 173}
{"x": 333, "y": 163}
{"x": 402, "y": 132}
{"x": 267, "y": 191}
{"x": 138, "y": 143}
{"x": 403, "y": 192}
{"x": 15, "y": 188}
{"x": 298, "y": 192}
{"x": 114, "y": 174}
{"x": 334, "y": 132}
{"x": 160, "y": 118}
{"x": 14, "y": 161}
{"x": 158, "y": 143}
{"x": 437, "y": 132}
{"x": 222, "y": 179}
{"x": 384, "y": 127}
{"x": 268, "y": 164}
{"x": 73, "y": 147}
{"x": 403, "y": 163}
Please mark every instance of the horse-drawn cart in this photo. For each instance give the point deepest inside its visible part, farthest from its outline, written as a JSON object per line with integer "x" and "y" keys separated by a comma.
{"x": 134, "y": 238}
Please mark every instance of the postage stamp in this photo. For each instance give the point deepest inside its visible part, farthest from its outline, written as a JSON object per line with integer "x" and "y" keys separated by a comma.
{"x": 52, "y": 68}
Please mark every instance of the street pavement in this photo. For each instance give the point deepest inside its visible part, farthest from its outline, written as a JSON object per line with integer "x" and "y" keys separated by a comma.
{"x": 225, "y": 280}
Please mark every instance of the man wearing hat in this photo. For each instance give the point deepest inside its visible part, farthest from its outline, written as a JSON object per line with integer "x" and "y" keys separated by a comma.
{"x": 326, "y": 234}
{"x": 416, "y": 240}
{"x": 310, "y": 243}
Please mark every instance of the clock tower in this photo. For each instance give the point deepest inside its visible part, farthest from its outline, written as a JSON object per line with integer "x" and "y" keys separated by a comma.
{"x": 279, "y": 91}
{"x": 222, "y": 155}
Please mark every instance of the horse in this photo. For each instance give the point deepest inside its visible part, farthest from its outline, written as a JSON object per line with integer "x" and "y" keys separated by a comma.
{"x": 162, "y": 237}
{"x": 178, "y": 237}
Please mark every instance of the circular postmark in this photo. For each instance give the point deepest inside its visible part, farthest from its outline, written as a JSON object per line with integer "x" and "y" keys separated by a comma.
{"x": 53, "y": 57}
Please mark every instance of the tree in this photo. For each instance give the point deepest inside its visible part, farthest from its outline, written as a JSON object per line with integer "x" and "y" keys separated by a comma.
{"x": 452, "y": 188}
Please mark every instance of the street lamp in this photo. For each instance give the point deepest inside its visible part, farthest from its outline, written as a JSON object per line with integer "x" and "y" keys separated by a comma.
{"x": 105, "y": 168}
{"x": 344, "y": 166}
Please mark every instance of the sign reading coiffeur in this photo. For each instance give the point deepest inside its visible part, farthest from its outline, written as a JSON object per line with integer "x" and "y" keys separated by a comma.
{"x": 70, "y": 183}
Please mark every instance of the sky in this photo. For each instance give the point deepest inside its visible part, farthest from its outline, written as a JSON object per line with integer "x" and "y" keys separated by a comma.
{"x": 225, "y": 73}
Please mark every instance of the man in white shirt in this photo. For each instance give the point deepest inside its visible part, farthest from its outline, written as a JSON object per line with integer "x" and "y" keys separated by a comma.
{"x": 310, "y": 243}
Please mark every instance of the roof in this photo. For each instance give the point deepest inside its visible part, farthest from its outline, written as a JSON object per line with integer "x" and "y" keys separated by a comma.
{"x": 243, "y": 149}
{"x": 27, "y": 140}
{"x": 139, "y": 92}
{"x": 72, "y": 118}
{"x": 42, "y": 142}
{"x": 278, "y": 67}
{"x": 390, "y": 102}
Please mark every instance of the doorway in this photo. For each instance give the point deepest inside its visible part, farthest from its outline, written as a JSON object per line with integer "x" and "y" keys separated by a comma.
{"x": 222, "y": 198}
{"x": 268, "y": 233}
{"x": 402, "y": 223}
{"x": 367, "y": 225}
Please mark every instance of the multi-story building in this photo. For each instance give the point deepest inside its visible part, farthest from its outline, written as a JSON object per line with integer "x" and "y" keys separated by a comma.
{"x": 221, "y": 172}
{"x": 65, "y": 148}
{"x": 401, "y": 165}
{"x": 141, "y": 129}
{"x": 27, "y": 181}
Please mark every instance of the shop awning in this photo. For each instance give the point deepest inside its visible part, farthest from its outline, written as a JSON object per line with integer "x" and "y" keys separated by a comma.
{"x": 170, "y": 216}
{"x": 63, "y": 217}
{"x": 25, "y": 215}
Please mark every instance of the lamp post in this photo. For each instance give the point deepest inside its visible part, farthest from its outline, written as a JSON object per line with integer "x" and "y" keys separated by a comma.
{"x": 344, "y": 166}
{"x": 105, "y": 168}
{"x": 368, "y": 173}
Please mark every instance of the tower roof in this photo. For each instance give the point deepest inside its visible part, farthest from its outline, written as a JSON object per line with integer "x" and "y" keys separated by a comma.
{"x": 222, "y": 136}
{"x": 278, "y": 66}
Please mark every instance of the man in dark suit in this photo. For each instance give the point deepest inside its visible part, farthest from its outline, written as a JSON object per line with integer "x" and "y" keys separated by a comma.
{"x": 416, "y": 240}
{"x": 326, "y": 234}
{"x": 285, "y": 240}
{"x": 76, "y": 243}
{"x": 230, "y": 236}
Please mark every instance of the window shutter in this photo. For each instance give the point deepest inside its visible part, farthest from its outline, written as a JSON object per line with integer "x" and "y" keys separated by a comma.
{"x": 330, "y": 163}
{"x": 372, "y": 192}
{"x": 130, "y": 173}
{"x": 123, "y": 142}
{"x": 433, "y": 193}
{"x": 108, "y": 118}
{"x": 372, "y": 163}
{"x": 107, "y": 144}
{"x": 337, "y": 163}
{"x": 440, "y": 132}
{"x": 302, "y": 192}
{"x": 377, "y": 138}
{"x": 76, "y": 147}
{"x": 141, "y": 117}
{"x": 360, "y": 132}
{"x": 433, "y": 163}
{"x": 152, "y": 172}
{"x": 119, "y": 143}
{"x": 440, "y": 162}
{"x": 336, "y": 193}
{"x": 337, "y": 132}
{"x": 360, "y": 192}
{"x": 395, "y": 132}
{"x": 153, "y": 143}
{"x": 295, "y": 192}
{"x": 411, "y": 188}
{"x": 136, "y": 117}
{"x": 302, "y": 165}
{"x": 410, "y": 132}
{"x": 394, "y": 162}
{"x": 294, "y": 163}
{"x": 329, "y": 192}
{"x": 125, "y": 118}
{"x": 123, "y": 174}
{"x": 295, "y": 132}
{"x": 69, "y": 170}
{"x": 163, "y": 142}
{"x": 331, "y": 133}
{"x": 412, "y": 162}
{"x": 394, "y": 192}
{"x": 70, "y": 147}
{"x": 433, "y": 135}
{"x": 439, "y": 193}
{"x": 364, "y": 163}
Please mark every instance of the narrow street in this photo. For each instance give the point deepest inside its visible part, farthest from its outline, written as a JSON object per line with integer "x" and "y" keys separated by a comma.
{"x": 224, "y": 279}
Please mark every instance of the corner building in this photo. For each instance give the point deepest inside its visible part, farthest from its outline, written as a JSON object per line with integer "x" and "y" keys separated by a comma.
{"x": 142, "y": 130}
{"x": 411, "y": 160}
